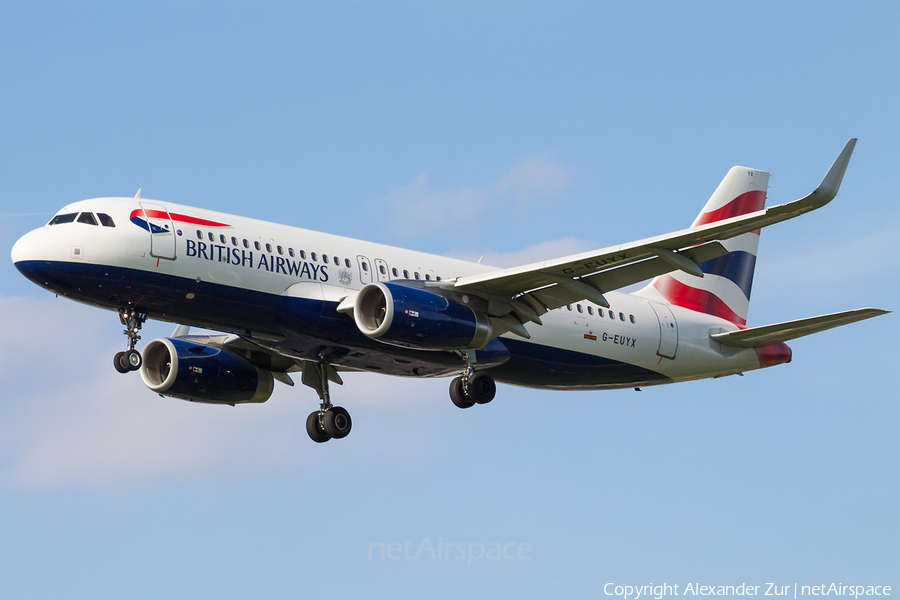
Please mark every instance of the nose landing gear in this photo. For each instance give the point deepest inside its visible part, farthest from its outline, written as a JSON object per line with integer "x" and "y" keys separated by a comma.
{"x": 130, "y": 360}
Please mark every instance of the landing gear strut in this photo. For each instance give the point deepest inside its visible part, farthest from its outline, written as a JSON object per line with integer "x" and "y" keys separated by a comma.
{"x": 130, "y": 360}
{"x": 472, "y": 387}
{"x": 329, "y": 421}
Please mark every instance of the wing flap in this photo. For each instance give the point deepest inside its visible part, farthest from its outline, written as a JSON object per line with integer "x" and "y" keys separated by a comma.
{"x": 757, "y": 337}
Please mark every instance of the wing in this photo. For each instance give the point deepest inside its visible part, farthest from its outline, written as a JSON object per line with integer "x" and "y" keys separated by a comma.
{"x": 530, "y": 290}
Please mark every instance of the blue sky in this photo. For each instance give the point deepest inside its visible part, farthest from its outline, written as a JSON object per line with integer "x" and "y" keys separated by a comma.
{"x": 514, "y": 130}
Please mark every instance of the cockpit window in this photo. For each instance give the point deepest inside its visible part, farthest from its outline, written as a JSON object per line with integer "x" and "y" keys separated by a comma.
{"x": 105, "y": 220}
{"x": 87, "y": 218}
{"x": 60, "y": 219}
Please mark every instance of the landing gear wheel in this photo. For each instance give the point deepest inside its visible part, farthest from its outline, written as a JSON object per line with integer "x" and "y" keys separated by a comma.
{"x": 481, "y": 387}
{"x": 458, "y": 395}
{"x": 120, "y": 364}
{"x": 329, "y": 421}
{"x": 337, "y": 422}
{"x": 315, "y": 432}
{"x": 133, "y": 359}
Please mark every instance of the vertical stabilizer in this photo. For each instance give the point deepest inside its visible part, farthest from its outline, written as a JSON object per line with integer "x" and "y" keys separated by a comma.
{"x": 724, "y": 290}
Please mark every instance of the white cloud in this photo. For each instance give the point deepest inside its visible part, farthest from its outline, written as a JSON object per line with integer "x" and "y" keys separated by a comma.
{"x": 69, "y": 420}
{"x": 541, "y": 251}
{"x": 532, "y": 178}
{"x": 840, "y": 263}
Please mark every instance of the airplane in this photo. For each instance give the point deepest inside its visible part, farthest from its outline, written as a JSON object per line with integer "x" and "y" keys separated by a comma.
{"x": 289, "y": 301}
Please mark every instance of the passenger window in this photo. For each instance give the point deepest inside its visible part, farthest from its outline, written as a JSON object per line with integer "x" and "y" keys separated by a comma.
{"x": 280, "y": 250}
{"x": 569, "y": 306}
{"x": 313, "y": 256}
{"x": 291, "y": 252}
{"x": 578, "y": 306}
{"x": 365, "y": 266}
{"x": 105, "y": 220}
{"x": 600, "y": 311}
{"x": 233, "y": 241}
{"x": 590, "y": 310}
{"x": 382, "y": 269}
{"x": 438, "y": 278}
{"x": 622, "y": 317}
{"x": 394, "y": 271}
{"x": 268, "y": 247}
{"x": 405, "y": 274}
{"x": 631, "y": 318}
{"x": 427, "y": 277}
{"x": 87, "y": 218}
{"x": 199, "y": 235}
{"x": 60, "y": 219}
{"x": 337, "y": 261}
{"x": 325, "y": 258}
{"x": 256, "y": 245}
{"x": 416, "y": 274}
{"x": 303, "y": 254}
{"x": 212, "y": 238}
{"x": 221, "y": 239}
{"x": 612, "y": 315}
{"x": 347, "y": 262}
{"x": 246, "y": 243}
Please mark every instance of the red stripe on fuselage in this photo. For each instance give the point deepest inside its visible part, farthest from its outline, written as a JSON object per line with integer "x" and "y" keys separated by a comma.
{"x": 696, "y": 299}
{"x": 747, "y": 202}
{"x": 161, "y": 214}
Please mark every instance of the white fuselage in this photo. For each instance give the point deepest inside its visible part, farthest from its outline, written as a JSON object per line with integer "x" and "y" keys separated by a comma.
{"x": 227, "y": 256}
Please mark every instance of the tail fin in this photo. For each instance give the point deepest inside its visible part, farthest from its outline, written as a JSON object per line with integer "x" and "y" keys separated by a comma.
{"x": 724, "y": 290}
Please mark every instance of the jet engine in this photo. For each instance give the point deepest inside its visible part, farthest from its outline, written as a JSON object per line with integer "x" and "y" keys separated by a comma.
{"x": 190, "y": 371}
{"x": 416, "y": 317}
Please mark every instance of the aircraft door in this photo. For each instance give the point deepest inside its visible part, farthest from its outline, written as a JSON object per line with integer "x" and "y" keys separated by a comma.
{"x": 381, "y": 270}
{"x": 162, "y": 231}
{"x": 365, "y": 269}
{"x": 668, "y": 330}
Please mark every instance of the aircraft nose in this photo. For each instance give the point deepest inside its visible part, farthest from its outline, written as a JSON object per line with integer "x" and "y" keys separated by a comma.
{"x": 32, "y": 247}
{"x": 23, "y": 249}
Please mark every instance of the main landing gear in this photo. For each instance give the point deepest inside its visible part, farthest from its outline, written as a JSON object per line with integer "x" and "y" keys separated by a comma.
{"x": 130, "y": 360}
{"x": 472, "y": 387}
{"x": 329, "y": 421}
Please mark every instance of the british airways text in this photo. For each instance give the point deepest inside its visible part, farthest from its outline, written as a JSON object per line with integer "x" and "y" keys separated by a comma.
{"x": 244, "y": 258}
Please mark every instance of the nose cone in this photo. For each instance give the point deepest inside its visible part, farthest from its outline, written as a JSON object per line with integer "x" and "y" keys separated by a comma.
{"x": 25, "y": 249}
{"x": 32, "y": 255}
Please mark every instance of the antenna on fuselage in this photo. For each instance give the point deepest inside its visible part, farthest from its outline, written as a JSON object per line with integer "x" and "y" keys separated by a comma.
{"x": 138, "y": 195}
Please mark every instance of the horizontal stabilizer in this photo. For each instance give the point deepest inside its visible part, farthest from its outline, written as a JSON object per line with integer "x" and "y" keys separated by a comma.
{"x": 757, "y": 337}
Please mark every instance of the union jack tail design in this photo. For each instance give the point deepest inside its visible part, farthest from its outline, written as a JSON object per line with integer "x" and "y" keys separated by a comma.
{"x": 724, "y": 290}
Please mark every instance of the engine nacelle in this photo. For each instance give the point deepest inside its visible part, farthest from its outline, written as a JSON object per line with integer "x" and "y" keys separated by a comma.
{"x": 199, "y": 373}
{"x": 415, "y": 317}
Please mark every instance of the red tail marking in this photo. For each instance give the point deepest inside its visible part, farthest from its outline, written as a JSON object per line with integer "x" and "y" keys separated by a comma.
{"x": 747, "y": 202}
{"x": 776, "y": 354}
{"x": 696, "y": 299}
